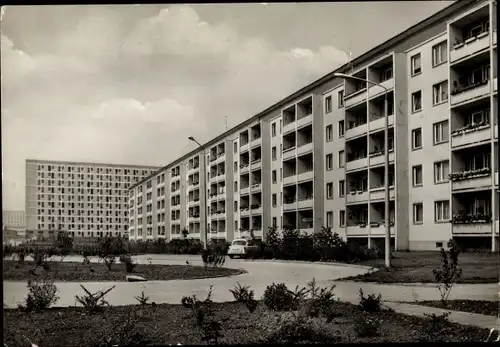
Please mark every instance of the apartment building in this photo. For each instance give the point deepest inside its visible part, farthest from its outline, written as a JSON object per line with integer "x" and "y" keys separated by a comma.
{"x": 85, "y": 199}
{"x": 14, "y": 220}
{"x": 317, "y": 158}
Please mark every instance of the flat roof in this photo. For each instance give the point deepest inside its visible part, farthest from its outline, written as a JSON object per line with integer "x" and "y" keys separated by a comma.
{"x": 387, "y": 45}
{"x": 62, "y": 162}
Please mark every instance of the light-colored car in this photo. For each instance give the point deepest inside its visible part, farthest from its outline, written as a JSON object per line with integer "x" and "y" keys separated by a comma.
{"x": 241, "y": 248}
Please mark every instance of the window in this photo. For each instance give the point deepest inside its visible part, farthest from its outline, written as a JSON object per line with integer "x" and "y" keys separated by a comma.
{"x": 275, "y": 222}
{"x": 340, "y": 99}
{"x": 235, "y": 186}
{"x": 235, "y": 166}
{"x": 328, "y": 104}
{"x": 273, "y": 129}
{"x": 386, "y": 74}
{"x": 418, "y": 213}
{"x": 441, "y": 211}
{"x": 441, "y": 169}
{"x": 274, "y": 200}
{"x": 417, "y": 175}
{"x": 416, "y": 138}
{"x": 235, "y": 147}
{"x": 440, "y": 93}
{"x": 341, "y": 128}
{"x": 440, "y": 132}
{"x": 274, "y": 153}
{"x": 274, "y": 176}
{"x": 329, "y": 190}
{"x": 329, "y": 133}
{"x": 342, "y": 188}
{"x": 329, "y": 161}
{"x": 236, "y": 206}
{"x": 416, "y": 64}
{"x": 416, "y": 101}
{"x": 341, "y": 218}
{"x": 439, "y": 53}
{"x": 329, "y": 219}
{"x": 341, "y": 159}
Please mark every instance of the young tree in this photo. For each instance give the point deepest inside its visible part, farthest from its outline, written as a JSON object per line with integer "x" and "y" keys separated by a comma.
{"x": 63, "y": 243}
{"x": 448, "y": 273}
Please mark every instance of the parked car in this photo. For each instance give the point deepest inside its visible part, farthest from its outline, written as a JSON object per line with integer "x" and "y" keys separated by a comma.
{"x": 242, "y": 248}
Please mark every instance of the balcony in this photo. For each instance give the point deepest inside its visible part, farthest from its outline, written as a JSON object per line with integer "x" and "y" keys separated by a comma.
{"x": 305, "y": 202}
{"x": 244, "y": 211}
{"x": 244, "y": 168}
{"x": 244, "y": 147}
{"x": 306, "y": 148}
{"x": 288, "y": 153}
{"x": 472, "y": 133}
{"x": 470, "y": 92}
{"x": 305, "y": 176}
{"x": 375, "y": 91}
{"x": 289, "y": 204}
{"x": 356, "y": 196}
{"x": 256, "y": 209}
{"x": 469, "y": 47}
{"x": 245, "y": 190}
{"x": 356, "y": 164}
{"x": 379, "y": 123}
{"x": 377, "y": 229}
{"x": 355, "y": 98}
{"x": 220, "y": 158}
{"x": 256, "y": 164}
{"x": 472, "y": 228}
{"x": 256, "y": 142}
{"x": 304, "y": 120}
{"x": 471, "y": 179}
{"x": 357, "y": 230}
{"x": 356, "y": 131}
{"x": 256, "y": 187}
{"x": 378, "y": 157}
{"x": 379, "y": 193}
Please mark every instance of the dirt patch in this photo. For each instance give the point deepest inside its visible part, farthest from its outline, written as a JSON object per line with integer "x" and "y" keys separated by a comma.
{"x": 72, "y": 271}
{"x": 488, "y": 308}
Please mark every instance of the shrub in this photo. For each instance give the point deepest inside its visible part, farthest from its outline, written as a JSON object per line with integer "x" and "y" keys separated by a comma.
{"x": 435, "y": 326}
{"x": 213, "y": 256}
{"x": 143, "y": 299}
{"x": 371, "y": 303}
{"x": 21, "y": 255}
{"x": 93, "y": 302}
{"x": 42, "y": 294}
{"x": 8, "y": 251}
{"x": 63, "y": 244}
{"x": 366, "y": 326}
{"x": 129, "y": 265}
{"x": 322, "y": 301}
{"x": 242, "y": 293}
{"x": 123, "y": 333}
{"x": 278, "y": 297}
{"x": 448, "y": 273}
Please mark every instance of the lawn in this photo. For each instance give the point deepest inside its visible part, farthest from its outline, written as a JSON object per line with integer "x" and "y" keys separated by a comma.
{"x": 416, "y": 267}
{"x": 73, "y": 271}
{"x": 488, "y": 308}
{"x": 172, "y": 324}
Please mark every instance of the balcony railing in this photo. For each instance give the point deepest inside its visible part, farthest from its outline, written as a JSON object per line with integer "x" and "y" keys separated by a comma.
{"x": 470, "y": 91}
{"x": 469, "y": 174}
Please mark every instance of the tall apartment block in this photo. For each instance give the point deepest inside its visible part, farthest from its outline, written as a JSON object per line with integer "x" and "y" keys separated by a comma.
{"x": 85, "y": 199}
{"x": 317, "y": 158}
{"x": 14, "y": 220}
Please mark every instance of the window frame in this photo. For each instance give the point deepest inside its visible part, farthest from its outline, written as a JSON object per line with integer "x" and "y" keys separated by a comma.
{"x": 329, "y": 130}
{"x": 329, "y": 162}
{"x": 413, "y": 59}
{"x": 441, "y": 170}
{"x": 414, "y": 176}
{"x": 413, "y": 103}
{"x": 437, "y": 93}
{"x": 328, "y": 104}
{"x": 444, "y": 134}
{"x": 439, "y": 209}
{"x": 437, "y": 50}
{"x": 340, "y": 98}
{"x": 413, "y": 137}
{"x": 415, "y": 206}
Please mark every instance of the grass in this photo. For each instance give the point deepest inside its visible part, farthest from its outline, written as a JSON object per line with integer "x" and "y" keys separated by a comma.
{"x": 416, "y": 267}
{"x": 488, "y": 308}
{"x": 72, "y": 271}
{"x": 172, "y": 324}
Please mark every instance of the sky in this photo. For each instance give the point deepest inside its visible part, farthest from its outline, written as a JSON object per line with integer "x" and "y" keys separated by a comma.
{"x": 127, "y": 84}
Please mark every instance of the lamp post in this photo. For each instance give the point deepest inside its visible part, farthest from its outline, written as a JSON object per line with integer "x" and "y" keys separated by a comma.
{"x": 386, "y": 149}
{"x": 191, "y": 138}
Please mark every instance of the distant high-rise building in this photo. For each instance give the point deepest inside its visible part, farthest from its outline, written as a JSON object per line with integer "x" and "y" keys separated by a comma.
{"x": 85, "y": 199}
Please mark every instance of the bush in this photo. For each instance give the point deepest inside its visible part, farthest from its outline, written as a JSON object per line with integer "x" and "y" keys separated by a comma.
{"x": 93, "y": 302}
{"x": 322, "y": 301}
{"x": 278, "y": 297}
{"x": 242, "y": 293}
{"x": 371, "y": 303}
{"x": 129, "y": 265}
{"x": 143, "y": 299}
{"x": 42, "y": 294}
{"x": 366, "y": 326}
{"x": 448, "y": 273}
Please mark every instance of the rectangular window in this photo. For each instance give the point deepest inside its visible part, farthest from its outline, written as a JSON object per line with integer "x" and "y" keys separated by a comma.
{"x": 417, "y": 175}
{"x": 329, "y": 190}
{"x": 328, "y": 104}
{"x": 441, "y": 211}
{"x": 340, "y": 99}
{"x": 418, "y": 213}
{"x": 440, "y": 131}
{"x": 235, "y": 147}
{"x": 235, "y": 166}
{"x": 386, "y": 74}
{"x": 441, "y": 171}
{"x": 341, "y": 128}
{"x": 416, "y": 101}
{"x": 416, "y": 138}
{"x": 342, "y": 188}
{"x": 274, "y": 174}
{"x": 329, "y": 161}
{"x": 439, "y": 53}
{"x": 273, "y": 129}
{"x": 274, "y": 200}
{"x": 329, "y": 219}
{"x": 275, "y": 222}
{"x": 416, "y": 64}
{"x": 236, "y": 206}
{"x": 341, "y": 218}
{"x": 341, "y": 159}
{"x": 329, "y": 133}
{"x": 274, "y": 153}
{"x": 440, "y": 93}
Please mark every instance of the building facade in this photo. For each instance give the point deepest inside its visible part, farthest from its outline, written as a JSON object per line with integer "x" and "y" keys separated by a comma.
{"x": 85, "y": 199}
{"x": 317, "y": 159}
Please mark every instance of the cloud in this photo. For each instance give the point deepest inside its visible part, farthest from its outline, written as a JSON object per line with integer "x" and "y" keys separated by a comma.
{"x": 131, "y": 90}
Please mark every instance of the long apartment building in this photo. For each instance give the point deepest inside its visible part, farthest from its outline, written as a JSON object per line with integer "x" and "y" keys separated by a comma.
{"x": 85, "y": 199}
{"x": 317, "y": 159}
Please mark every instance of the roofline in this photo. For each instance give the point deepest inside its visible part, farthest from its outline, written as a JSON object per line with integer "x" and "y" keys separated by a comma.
{"x": 342, "y": 69}
{"x": 90, "y": 163}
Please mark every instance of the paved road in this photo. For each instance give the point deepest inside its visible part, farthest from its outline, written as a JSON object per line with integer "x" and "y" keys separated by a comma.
{"x": 259, "y": 274}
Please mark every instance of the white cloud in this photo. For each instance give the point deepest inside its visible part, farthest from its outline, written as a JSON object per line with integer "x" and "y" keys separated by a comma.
{"x": 105, "y": 91}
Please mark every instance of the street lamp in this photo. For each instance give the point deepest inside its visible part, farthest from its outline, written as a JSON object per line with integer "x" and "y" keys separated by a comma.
{"x": 386, "y": 147}
{"x": 191, "y": 138}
